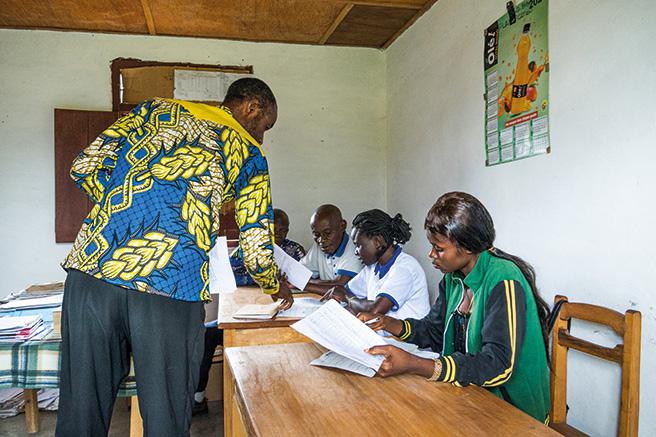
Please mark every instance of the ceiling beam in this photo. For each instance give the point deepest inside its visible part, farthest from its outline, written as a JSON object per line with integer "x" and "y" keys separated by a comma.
{"x": 410, "y": 22}
{"x": 387, "y": 4}
{"x": 148, "y": 14}
{"x": 340, "y": 17}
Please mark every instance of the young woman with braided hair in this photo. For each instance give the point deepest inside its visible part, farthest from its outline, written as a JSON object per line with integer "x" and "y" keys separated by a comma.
{"x": 392, "y": 281}
{"x": 489, "y": 322}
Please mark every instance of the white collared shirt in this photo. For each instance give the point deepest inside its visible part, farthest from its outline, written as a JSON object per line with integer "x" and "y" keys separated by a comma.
{"x": 326, "y": 267}
{"x": 403, "y": 282}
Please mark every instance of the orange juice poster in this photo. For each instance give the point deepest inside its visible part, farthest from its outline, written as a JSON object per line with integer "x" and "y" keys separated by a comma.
{"x": 516, "y": 59}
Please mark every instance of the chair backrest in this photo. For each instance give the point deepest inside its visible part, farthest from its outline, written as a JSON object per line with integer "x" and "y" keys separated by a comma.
{"x": 627, "y": 355}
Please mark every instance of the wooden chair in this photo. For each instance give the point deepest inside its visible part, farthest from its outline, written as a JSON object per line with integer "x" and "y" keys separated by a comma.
{"x": 626, "y": 355}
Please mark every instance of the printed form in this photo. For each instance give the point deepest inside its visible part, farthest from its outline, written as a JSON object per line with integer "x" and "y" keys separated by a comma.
{"x": 334, "y": 328}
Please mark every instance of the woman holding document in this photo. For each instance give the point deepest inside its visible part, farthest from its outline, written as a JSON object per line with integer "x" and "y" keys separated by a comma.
{"x": 392, "y": 282}
{"x": 489, "y": 322}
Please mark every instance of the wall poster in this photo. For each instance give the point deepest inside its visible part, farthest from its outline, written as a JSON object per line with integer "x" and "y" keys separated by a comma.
{"x": 516, "y": 66}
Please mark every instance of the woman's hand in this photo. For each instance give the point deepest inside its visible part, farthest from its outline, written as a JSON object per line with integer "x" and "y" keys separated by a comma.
{"x": 389, "y": 324}
{"x": 338, "y": 293}
{"x": 397, "y": 361}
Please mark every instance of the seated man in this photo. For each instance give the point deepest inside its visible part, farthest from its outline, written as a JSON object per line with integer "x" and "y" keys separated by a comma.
{"x": 214, "y": 335}
{"x": 280, "y": 228}
{"x": 332, "y": 257}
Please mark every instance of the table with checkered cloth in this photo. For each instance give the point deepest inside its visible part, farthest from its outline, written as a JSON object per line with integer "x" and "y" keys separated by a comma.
{"x": 35, "y": 364}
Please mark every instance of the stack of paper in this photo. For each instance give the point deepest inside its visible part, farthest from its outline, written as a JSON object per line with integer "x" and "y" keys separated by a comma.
{"x": 336, "y": 329}
{"x": 12, "y": 401}
{"x": 254, "y": 311}
{"x": 23, "y": 303}
{"x": 21, "y": 328}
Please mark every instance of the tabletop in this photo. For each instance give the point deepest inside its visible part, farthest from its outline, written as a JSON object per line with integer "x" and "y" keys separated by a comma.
{"x": 280, "y": 393}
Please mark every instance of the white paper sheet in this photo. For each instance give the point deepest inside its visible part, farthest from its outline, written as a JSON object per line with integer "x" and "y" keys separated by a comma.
{"x": 336, "y": 361}
{"x": 41, "y": 302}
{"x": 13, "y": 324}
{"x": 297, "y": 273}
{"x": 202, "y": 85}
{"x": 222, "y": 280}
{"x": 303, "y": 307}
{"x": 336, "y": 329}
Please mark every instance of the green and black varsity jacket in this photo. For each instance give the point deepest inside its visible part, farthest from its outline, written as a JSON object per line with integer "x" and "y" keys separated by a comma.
{"x": 505, "y": 349}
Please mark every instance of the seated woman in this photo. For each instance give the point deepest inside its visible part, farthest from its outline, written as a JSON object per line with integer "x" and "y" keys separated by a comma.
{"x": 489, "y": 322}
{"x": 392, "y": 282}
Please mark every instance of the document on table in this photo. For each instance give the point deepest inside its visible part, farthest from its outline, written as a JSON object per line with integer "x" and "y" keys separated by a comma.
{"x": 222, "y": 280}
{"x": 303, "y": 307}
{"x": 336, "y": 361}
{"x": 259, "y": 312}
{"x": 11, "y": 324}
{"x": 336, "y": 329}
{"x": 297, "y": 274}
{"x": 41, "y": 302}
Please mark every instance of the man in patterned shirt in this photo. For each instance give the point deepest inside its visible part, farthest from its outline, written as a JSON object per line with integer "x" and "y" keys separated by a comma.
{"x": 281, "y": 229}
{"x": 138, "y": 270}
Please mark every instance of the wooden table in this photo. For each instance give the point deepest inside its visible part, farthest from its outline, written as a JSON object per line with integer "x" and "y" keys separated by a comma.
{"x": 278, "y": 393}
{"x": 242, "y": 332}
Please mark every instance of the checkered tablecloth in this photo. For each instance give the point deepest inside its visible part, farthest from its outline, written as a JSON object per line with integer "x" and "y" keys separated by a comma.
{"x": 35, "y": 364}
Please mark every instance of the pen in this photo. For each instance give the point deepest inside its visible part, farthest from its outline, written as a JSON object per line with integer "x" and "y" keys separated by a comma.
{"x": 372, "y": 321}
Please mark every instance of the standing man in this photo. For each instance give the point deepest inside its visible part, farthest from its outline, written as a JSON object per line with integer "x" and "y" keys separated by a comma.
{"x": 138, "y": 270}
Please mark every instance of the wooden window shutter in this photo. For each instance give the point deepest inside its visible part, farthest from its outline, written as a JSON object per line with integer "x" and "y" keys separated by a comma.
{"x": 74, "y": 131}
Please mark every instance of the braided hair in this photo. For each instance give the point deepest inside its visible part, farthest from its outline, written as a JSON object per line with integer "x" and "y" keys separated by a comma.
{"x": 376, "y": 222}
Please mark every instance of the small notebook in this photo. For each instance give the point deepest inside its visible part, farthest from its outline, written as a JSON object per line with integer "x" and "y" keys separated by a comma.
{"x": 258, "y": 312}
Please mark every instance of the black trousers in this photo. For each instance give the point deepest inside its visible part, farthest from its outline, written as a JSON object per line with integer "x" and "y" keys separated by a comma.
{"x": 213, "y": 338}
{"x": 102, "y": 325}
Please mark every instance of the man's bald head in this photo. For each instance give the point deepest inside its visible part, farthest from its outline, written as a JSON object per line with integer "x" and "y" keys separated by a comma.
{"x": 328, "y": 211}
{"x": 328, "y": 227}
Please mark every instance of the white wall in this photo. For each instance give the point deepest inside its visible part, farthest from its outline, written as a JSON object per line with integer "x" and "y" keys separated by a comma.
{"x": 584, "y": 215}
{"x": 327, "y": 146}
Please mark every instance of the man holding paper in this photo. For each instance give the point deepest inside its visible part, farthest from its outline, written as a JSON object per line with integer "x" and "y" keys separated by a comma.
{"x": 138, "y": 270}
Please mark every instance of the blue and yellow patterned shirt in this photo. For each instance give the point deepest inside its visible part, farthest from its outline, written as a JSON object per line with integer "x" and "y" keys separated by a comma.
{"x": 158, "y": 177}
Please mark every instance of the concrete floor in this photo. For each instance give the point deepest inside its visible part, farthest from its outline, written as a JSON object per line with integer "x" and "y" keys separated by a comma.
{"x": 208, "y": 425}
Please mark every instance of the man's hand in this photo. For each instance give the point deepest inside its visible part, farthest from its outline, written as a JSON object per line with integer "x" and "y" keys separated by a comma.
{"x": 338, "y": 293}
{"x": 285, "y": 295}
{"x": 398, "y": 361}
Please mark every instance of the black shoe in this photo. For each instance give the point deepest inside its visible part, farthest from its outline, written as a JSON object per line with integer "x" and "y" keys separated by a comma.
{"x": 199, "y": 407}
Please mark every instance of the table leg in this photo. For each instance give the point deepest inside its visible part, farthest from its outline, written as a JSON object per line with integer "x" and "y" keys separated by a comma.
{"x": 238, "y": 427}
{"x": 228, "y": 389}
{"x": 136, "y": 424}
{"x": 31, "y": 410}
